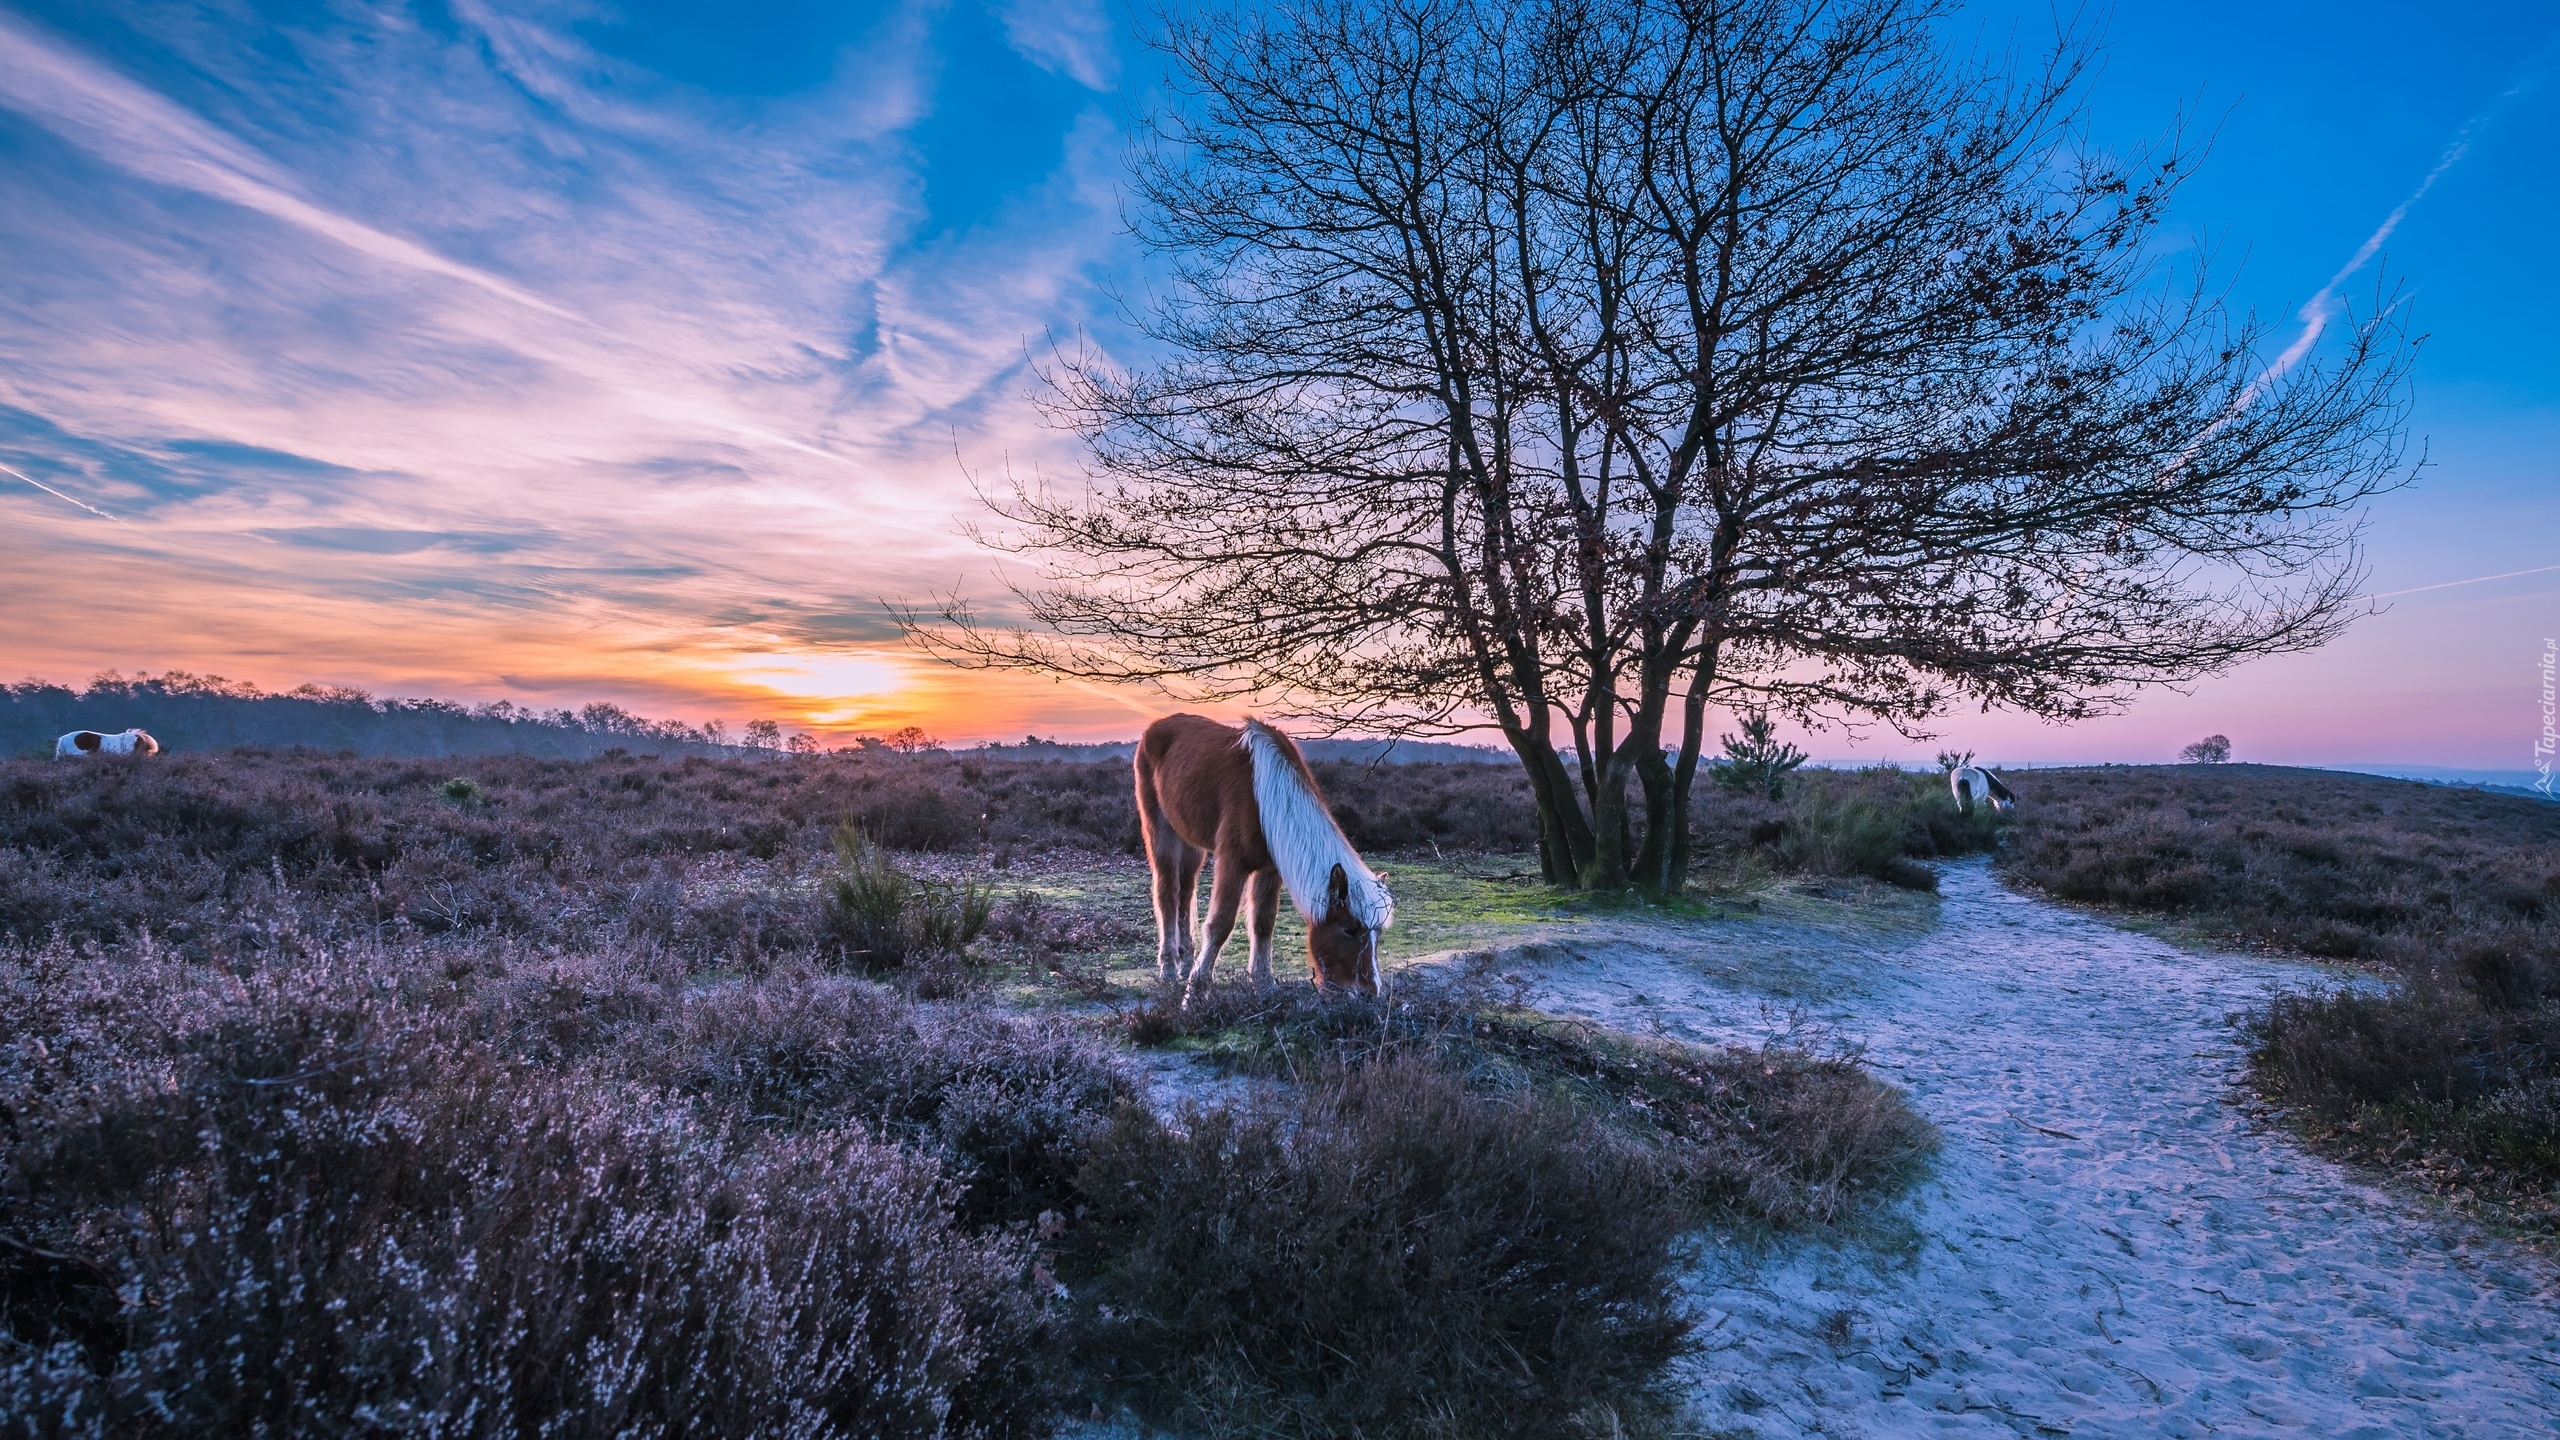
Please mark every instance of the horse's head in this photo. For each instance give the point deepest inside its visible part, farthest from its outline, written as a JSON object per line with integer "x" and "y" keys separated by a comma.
{"x": 1343, "y": 949}
{"x": 143, "y": 744}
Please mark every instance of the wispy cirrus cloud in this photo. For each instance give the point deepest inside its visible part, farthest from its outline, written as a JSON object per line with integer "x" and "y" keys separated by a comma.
{"x": 1071, "y": 37}
{"x": 457, "y": 357}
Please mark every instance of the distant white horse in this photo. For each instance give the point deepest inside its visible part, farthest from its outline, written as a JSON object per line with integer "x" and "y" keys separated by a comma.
{"x": 91, "y": 742}
{"x": 1973, "y": 783}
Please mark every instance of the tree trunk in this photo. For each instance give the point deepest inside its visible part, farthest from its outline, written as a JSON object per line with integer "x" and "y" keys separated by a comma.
{"x": 1564, "y": 837}
{"x": 1693, "y": 740}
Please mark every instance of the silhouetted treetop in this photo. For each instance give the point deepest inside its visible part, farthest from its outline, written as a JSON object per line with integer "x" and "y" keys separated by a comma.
{"x": 1555, "y": 362}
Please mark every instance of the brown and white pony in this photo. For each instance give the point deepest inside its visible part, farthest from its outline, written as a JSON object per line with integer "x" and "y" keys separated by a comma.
{"x": 1247, "y": 797}
{"x": 92, "y": 742}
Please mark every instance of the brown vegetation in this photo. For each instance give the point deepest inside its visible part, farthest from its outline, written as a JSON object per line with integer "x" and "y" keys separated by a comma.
{"x": 1777, "y": 1138}
{"x": 2452, "y": 1071}
{"x": 1380, "y": 1252}
{"x": 1459, "y": 1216}
{"x": 340, "y": 1089}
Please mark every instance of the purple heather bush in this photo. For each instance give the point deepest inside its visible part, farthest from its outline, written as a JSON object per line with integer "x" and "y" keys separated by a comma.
{"x": 383, "y": 1190}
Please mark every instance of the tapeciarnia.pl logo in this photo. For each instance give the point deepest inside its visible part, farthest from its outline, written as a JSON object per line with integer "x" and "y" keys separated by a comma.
{"x": 2544, "y": 744}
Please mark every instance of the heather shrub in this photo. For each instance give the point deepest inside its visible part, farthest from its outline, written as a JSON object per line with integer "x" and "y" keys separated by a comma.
{"x": 1875, "y": 824}
{"x": 1479, "y": 809}
{"x": 322, "y": 1195}
{"x": 1030, "y": 919}
{"x": 2346, "y": 866}
{"x": 721, "y": 910}
{"x": 908, "y": 806}
{"x": 1007, "y": 1104}
{"x": 1379, "y": 1253}
{"x": 1775, "y": 1137}
{"x": 2424, "y": 1074}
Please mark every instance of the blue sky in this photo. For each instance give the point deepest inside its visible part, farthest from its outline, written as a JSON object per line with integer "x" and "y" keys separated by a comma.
{"x": 633, "y": 351}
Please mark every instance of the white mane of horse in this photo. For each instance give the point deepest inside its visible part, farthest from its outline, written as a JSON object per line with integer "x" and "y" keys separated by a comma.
{"x": 1305, "y": 843}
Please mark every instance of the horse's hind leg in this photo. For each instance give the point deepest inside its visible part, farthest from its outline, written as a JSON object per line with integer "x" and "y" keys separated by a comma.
{"x": 1172, "y": 867}
{"x": 1262, "y": 907}
{"x": 1176, "y": 869}
{"x": 1186, "y": 907}
{"x": 1226, "y": 892}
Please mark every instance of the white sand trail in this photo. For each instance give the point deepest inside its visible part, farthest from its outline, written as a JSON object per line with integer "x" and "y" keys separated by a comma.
{"x": 2107, "y": 1245}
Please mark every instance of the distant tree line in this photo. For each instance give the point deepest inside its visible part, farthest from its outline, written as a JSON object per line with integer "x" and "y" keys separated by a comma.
{"x": 207, "y": 712}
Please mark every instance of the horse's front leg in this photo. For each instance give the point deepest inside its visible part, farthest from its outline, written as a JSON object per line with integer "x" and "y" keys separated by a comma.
{"x": 1226, "y": 892}
{"x": 1262, "y": 903}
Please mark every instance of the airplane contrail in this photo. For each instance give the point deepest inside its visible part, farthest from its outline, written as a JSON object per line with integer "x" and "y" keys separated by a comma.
{"x": 58, "y": 495}
{"x": 2322, "y": 307}
{"x": 2449, "y": 584}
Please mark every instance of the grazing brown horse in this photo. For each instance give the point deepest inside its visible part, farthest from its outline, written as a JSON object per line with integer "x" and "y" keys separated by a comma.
{"x": 1246, "y": 797}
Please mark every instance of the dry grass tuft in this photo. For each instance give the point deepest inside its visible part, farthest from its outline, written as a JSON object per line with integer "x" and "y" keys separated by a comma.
{"x": 1775, "y": 1137}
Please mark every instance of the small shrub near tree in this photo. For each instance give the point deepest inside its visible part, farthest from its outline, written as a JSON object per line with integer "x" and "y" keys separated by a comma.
{"x": 1757, "y": 762}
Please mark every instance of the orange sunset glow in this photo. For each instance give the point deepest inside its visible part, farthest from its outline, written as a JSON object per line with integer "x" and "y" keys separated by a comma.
{"x": 517, "y": 363}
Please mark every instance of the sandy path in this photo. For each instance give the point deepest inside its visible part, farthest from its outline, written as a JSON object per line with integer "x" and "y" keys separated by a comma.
{"x": 2107, "y": 1246}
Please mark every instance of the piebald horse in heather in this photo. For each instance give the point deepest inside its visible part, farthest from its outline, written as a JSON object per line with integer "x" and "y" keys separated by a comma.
{"x": 93, "y": 742}
{"x": 1971, "y": 783}
{"x": 1247, "y": 797}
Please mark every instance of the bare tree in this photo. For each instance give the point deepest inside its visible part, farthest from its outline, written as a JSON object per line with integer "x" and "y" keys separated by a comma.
{"x": 1581, "y": 363}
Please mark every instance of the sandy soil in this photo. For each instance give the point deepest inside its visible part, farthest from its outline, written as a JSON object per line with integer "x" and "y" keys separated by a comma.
{"x": 2108, "y": 1245}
